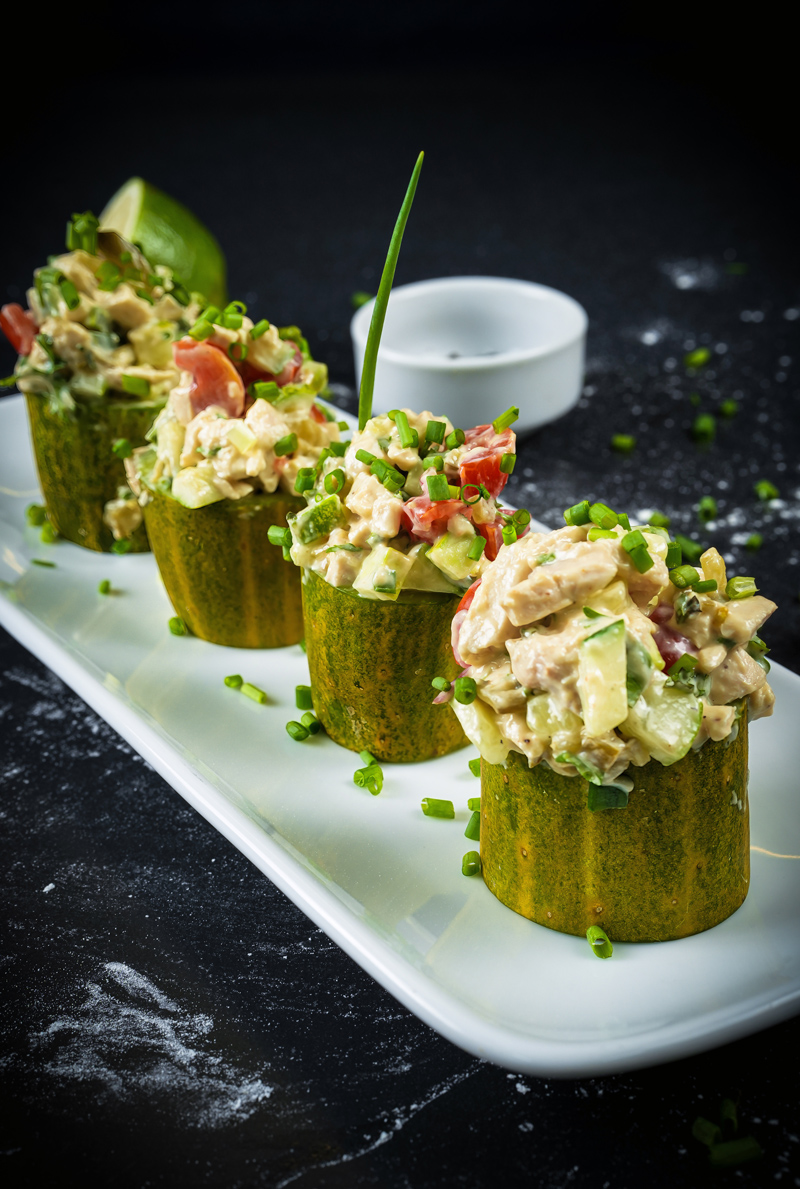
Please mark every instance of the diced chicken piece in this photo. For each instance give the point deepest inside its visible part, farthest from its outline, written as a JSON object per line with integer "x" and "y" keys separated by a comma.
{"x": 760, "y": 704}
{"x": 500, "y": 688}
{"x": 123, "y": 517}
{"x": 386, "y": 513}
{"x": 546, "y": 661}
{"x": 124, "y": 307}
{"x": 646, "y": 586}
{"x": 717, "y": 722}
{"x": 79, "y": 268}
{"x": 714, "y": 567}
{"x": 169, "y": 310}
{"x": 486, "y": 626}
{"x": 738, "y": 675}
{"x": 745, "y": 617}
{"x": 365, "y": 491}
{"x": 517, "y": 734}
{"x": 552, "y": 587}
{"x": 710, "y": 657}
{"x": 706, "y": 626}
{"x": 342, "y": 568}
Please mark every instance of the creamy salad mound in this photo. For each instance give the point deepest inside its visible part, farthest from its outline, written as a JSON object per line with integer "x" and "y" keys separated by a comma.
{"x": 593, "y": 648}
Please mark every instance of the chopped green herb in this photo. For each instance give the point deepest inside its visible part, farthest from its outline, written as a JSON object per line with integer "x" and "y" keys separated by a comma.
{"x": 48, "y": 535}
{"x": 659, "y": 520}
{"x": 600, "y": 534}
{"x": 36, "y": 515}
{"x": 435, "y": 807}
{"x": 473, "y": 830}
{"x": 509, "y": 534}
{"x": 334, "y": 481}
{"x": 311, "y": 723}
{"x": 135, "y": 385}
{"x": 259, "y": 329}
{"x": 606, "y": 796}
{"x": 729, "y": 408}
{"x": 740, "y": 588}
{"x": 704, "y": 427}
{"x": 409, "y": 438}
{"x": 475, "y": 769}
{"x": 707, "y": 509}
{"x": 304, "y": 479}
{"x": 238, "y": 351}
{"x": 697, "y": 358}
{"x": 441, "y": 683}
{"x": 623, "y": 443}
{"x": 505, "y": 420}
{"x": 601, "y": 946}
{"x": 686, "y": 605}
{"x": 234, "y": 681}
{"x": 38, "y": 561}
{"x": 590, "y": 613}
{"x": 545, "y": 558}
{"x": 438, "y": 488}
{"x": 369, "y": 777}
{"x": 471, "y": 863}
{"x": 302, "y": 697}
{"x": 754, "y": 542}
{"x": 578, "y": 513}
{"x": 177, "y": 626}
{"x": 507, "y": 463}
{"x": 122, "y": 448}
{"x": 476, "y": 548}
{"x": 633, "y": 540}
{"x": 201, "y": 330}
{"x": 121, "y": 547}
{"x": 691, "y": 550}
{"x": 104, "y": 587}
{"x": 642, "y": 559}
{"x": 454, "y": 439}
{"x": 265, "y": 390}
{"x": 734, "y": 1151}
{"x": 706, "y": 1132}
{"x": 683, "y": 576}
{"x": 706, "y": 586}
{"x": 583, "y": 767}
{"x": 765, "y": 490}
{"x": 278, "y": 535}
{"x": 297, "y": 731}
{"x": 602, "y": 516}
{"x": 674, "y": 555}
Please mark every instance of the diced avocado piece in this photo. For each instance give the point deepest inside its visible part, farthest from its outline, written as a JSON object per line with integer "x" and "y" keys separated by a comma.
{"x": 194, "y": 487}
{"x": 317, "y": 520}
{"x": 602, "y": 679}
{"x": 450, "y": 555}
{"x": 171, "y": 436}
{"x": 153, "y": 343}
{"x": 639, "y": 668}
{"x": 383, "y": 574}
{"x": 426, "y": 576}
{"x": 666, "y": 719}
{"x": 480, "y": 727}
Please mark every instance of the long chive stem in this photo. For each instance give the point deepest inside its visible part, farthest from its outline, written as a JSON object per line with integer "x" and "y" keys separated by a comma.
{"x": 382, "y": 301}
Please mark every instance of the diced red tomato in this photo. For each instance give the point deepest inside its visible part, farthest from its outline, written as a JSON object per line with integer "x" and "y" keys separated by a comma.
{"x": 19, "y": 327}
{"x": 291, "y": 369}
{"x": 482, "y": 462}
{"x": 427, "y": 519}
{"x": 494, "y": 538}
{"x": 466, "y": 602}
{"x": 318, "y": 415}
{"x": 672, "y": 646}
{"x": 215, "y": 380}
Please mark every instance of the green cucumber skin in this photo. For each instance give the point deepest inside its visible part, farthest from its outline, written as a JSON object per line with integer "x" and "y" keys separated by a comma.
{"x": 371, "y": 664}
{"x": 675, "y": 862}
{"x": 78, "y": 472}
{"x": 223, "y": 575}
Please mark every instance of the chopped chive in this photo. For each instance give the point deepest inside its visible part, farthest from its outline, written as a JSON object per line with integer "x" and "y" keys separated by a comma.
{"x": 600, "y": 534}
{"x": 454, "y": 439}
{"x": 104, "y": 587}
{"x": 360, "y": 298}
{"x": 601, "y": 946}
{"x": 48, "y": 535}
{"x": 237, "y": 351}
{"x": 505, "y": 419}
{"x": 435, "y": 807}
{"x": 409, "y": 438}
{"x": 686, "y": 605}
{"x": 521, "y": 517}
{"x": 507, "y": 463}
{"x": 704, "y": 427}
{"x": 304, "y": 479}
{"x": 338, "y": 449}
{"x": 659, "y": 520}
{"x": 754, "y": 542}
{"x": 706, "y": 586}
{"x": 260, "y": 328}
{"x": 740, "y": 588}
{"x": 578, "y": 513}
{"x": 302, "y": 697}
{"x": 438, "y": 488}
{"x": 135, "y": 385}
{"x": 471, "y": 863}
{"x": 623, "y": 443}
{"x": 642, "y": 559}
{"x": 683, "y": 576}
{"x": 297, "y": 731}
{"x": 36, "y": 515}
{"x": 684, "y": 664}
{"x": 707, "y": 509}
{"x": 334, "y": 481}
{"x": 343, "y": 426}
{"x": 436, "y": 461}
{"x": 473, "y": 830}
{"x": 369, "y": 777}
{"x": 177, "y": 626}
{"x": 69, "y": 293}
{"x": 39, "y": 561}
{"x": 729, "y": 408}
{"x": 234, "y": 681}
{"x": 470, "y": 500}
{"x": 230, "y": 320}
{"x": 465, "y": 690}
{"x": 697, "y": 358}
{"x": 302, "y": 644}
{"x": 622, "y": 519}
{"x": 476, "y": 548}
{"x": 674, "y": 555}
{"x": 382, "y": 301}
{"x": 590, "y": 613}
{"x": 632, "y": 540}
{"x": 311, "y": 723}
{"x": 734, "y": 1151}
{"x": 367, "y": 758}
{"x": 434, "y": 431}
{"x": 475, "y": 769}
{"x": 121, "y": 547}
{"x": 706, "y": 1132}
{"x": 122, "y": 448}
{"x": 285, "y": 445}
{"x": 509, "y": 534}
{"x": 691, "y": 550}
{"x": 287, "y": 553}
{"x": 441, "y": 683}
{"x": 278, "y": 535}
{"x": 765, "y": 490}
{"x": 265, "y": 390}
{"x": 365, "y": 457}
{"x": 601, "y": 515}
{"x": 545, "y": 558}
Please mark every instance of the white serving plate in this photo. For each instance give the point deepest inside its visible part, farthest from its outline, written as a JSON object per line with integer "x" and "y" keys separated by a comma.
{"x": 380, "y": 878}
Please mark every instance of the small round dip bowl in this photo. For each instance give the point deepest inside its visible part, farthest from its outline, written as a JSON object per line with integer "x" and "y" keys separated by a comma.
{"x": 469, "y": 347}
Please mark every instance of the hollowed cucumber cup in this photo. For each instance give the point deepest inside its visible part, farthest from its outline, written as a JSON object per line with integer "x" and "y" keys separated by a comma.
{"x": 674, "y": 862}
{"x": 226, "y": 580}
{"x": 78, "y": 470}
{"x": 371, "y": 664}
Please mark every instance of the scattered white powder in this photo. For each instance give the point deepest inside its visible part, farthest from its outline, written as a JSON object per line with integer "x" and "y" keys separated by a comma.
{"x": 133, "y": 1041}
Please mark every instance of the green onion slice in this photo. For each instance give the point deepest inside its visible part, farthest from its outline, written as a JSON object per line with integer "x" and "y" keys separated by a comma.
{"x": 302, "y": 697}
{"x": 507, "y": 463}
{"x": 683, "y": 576}
{"x": 441, "y": 683}
{"x": 234, "y": 681}
{"x": 475, "y": 769}
{"x": 506, "y": 419}
{"x": 285, "y": 445}
{"x": 601, "y": 946}
{"x": 297, "y": 731}
{"x": 177, "y": 626}
{"x": 476, "y": 548}
{"x": 578, "y": 513}
{"x": 104, "y": 587}
{"x": 473, "y": 830}
{"x": 436, "y": 807}
{"x": 465, "y": 690}
{"x": 471, "y": 863}
{"x": 260, "y": 328}
{"x": 438, "y": 487}
{"x": 741, "y": 588}
{"x": 454, "y": 439}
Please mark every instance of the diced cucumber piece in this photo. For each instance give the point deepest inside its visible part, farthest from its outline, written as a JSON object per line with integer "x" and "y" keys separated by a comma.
{"x": 91, "y": 385}
{"x": 639, "y": 668}
{"x": 194, "y": 487}
{"x": 450, "y": 555}
{"x": 241, "y": 436}
{"x": 480, "y": 727}
{"x": 317, "y": 520}
{"x": 153, "y": 343}
{"x": 169, "y": 445}
{"x": 611, "y": 601}
{"x": 601, "y": 679}
{"x": 383, "y": 574}
{"x": 666, "y": 719}
{"x": 426, "y": 576}
{"x": 414, "y": 478}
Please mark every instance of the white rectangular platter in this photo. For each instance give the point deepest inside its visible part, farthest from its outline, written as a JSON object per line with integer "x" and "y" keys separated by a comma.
{"x": 376, "y": 875}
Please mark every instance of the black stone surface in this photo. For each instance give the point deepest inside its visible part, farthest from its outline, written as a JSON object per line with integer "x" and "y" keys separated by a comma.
{"x": 168, "y": 1017}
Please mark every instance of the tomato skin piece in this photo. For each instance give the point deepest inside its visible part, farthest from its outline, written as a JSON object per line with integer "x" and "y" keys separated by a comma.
{"x": 483, "y": 467}
{"x": 292, "y": 368}
{"x": 215, "y": 380}
{"x": 317, "y": 415}
{"x": 466, "y": 602}
{"x": 493, "y": 534}
{"x": 19, "y": 327}
{"x": 426, "y": 519}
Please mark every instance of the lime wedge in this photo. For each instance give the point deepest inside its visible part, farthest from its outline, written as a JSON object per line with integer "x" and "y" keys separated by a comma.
{"x": 168, "y": 234}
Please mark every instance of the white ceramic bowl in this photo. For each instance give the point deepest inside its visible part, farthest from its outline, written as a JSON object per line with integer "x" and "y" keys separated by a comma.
{"x": 469, "y": 347}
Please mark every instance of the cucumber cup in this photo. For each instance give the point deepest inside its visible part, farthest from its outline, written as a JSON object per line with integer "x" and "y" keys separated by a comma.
{"x": 608, "y": 689}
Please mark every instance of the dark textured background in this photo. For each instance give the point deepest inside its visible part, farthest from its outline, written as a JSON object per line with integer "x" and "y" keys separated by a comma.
{"x": 168, "y": 1016}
